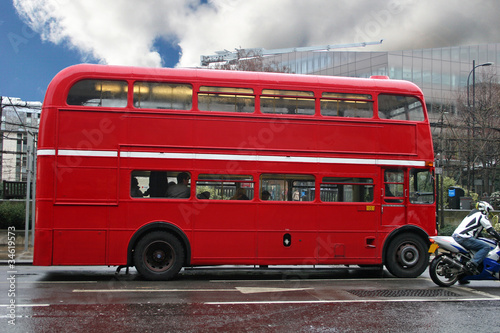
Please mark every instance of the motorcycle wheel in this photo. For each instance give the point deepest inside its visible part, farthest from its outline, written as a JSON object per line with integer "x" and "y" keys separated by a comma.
{"x": 441, "y": 273}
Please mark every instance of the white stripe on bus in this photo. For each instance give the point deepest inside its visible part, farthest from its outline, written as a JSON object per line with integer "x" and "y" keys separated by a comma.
{"x": 228, "y": 157}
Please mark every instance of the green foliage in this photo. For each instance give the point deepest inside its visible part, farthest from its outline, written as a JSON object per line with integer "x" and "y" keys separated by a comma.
{"x": 495, "y": 200}
{"x": 12, "y": 214}
{"x": 450, "y": 182}
{"x": 473, "y": 195}
{"x": 447, "y": 230}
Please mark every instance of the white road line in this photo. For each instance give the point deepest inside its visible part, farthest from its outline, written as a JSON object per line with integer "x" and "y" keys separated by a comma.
{"x": 357, "y": 301}
{"x": 258, "y": 290}
{"x": 243, "y": 290}
{"x": 478, "y": 292}
{"x": 315, "y": 280}
{"x": 24, "y": 305}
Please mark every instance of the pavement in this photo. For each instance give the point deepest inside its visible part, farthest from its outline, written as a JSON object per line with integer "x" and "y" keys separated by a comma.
{"x": 22, "y": 256}
{"x": 19, "y": 253}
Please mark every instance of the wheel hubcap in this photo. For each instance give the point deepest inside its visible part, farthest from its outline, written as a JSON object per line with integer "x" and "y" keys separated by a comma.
{"x": 408, "y": 255}
{"x": 159, "y": 256}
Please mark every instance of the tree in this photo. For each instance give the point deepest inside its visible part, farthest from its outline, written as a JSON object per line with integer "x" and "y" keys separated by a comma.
{"x": 475, "y": 134}
{"x": 252, "y": 61}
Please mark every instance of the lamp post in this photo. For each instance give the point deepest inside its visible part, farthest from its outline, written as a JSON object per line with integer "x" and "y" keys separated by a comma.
{"x": 473, "y": 72}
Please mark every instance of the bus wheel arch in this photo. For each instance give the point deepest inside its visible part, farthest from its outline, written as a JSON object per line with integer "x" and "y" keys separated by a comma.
{"x": 158, "y": 227}
{"x": 406, "y": 252}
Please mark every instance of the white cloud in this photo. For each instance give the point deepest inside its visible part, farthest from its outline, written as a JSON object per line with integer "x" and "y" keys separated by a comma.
{"x": 124, "y": 31}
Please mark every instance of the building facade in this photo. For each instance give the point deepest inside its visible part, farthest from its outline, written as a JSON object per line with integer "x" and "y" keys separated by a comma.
{"x": 444, "y": 74}
{"x": 18, "y": 118}
{"x": 441, "y": 73}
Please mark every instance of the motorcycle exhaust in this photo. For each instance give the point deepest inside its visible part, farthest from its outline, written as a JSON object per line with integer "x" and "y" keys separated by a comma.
{"x": 453, "y": 263}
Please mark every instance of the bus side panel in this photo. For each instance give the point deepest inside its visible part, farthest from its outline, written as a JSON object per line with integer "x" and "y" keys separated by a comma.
{"x": 42, "y": 253}
{"x": 332, "y": 137}
{"x": 168, "y": 131}
{"x": 94, "y": 130}
{"x": 47, "y": 129}
{"x": 118, "y": 241}
{"x": 422, "y": 215}
{"x": 86, "y": 180}
{"x": 348, "y": 233}
{"x": 79, "y": 247}
{"x": 287, "y": 233}
{"x": 80, "y": 234}
{"x": 224, "y": 233}
{"x": 424, "y": 140}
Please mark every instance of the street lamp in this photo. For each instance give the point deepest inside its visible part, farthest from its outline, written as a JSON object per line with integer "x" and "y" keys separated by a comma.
{"x": 473, "y": 72}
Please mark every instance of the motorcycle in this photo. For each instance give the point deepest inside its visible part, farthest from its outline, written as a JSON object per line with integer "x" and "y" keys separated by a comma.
{"x": 449, "y": 263}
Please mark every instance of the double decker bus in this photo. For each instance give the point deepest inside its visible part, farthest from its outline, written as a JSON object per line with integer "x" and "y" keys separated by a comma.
{"x": 169, "y": 168}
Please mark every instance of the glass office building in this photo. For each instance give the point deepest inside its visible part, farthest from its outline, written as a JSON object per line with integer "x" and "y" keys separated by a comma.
{"x": 440, "y": 72}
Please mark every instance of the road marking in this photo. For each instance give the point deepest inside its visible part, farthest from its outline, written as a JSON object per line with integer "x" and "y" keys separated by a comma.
{"x": 478, "y": 292}
{"x": 57, "y": 282}
{"x": 243, "y": 290}
{"x": 356, "y": 301}
{"x": 297, "y": 279}
{"x": 145, "y": 290}
{"x": 256, "y": 290}
{"x": 24, "y": 305}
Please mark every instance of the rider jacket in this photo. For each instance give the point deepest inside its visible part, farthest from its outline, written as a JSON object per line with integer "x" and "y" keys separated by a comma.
{"x": 473, "y": 224}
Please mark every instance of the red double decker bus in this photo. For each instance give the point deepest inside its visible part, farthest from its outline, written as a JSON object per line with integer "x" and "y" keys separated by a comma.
{"x": 168, "y": 168}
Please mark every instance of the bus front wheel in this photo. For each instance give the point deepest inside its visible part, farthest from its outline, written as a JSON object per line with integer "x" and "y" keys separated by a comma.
{"x": 407, "y": 256}
{"x": 159, "y": 256}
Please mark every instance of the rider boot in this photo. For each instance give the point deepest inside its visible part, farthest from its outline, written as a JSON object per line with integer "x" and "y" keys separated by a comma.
{"x": 471, "y": 268}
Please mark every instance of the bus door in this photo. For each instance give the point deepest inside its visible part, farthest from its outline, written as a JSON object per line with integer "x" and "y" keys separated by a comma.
{"x": 394, "y": 193}
{"x": 421, "y": 204}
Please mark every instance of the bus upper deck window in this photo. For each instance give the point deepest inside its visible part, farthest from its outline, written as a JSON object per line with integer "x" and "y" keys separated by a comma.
{"x": 158, "y": 95}
{"x": 287, "y": 102}
{"x": 98, "y": 93}
{"x": 346, "y": 105}
{"x": 400, "y": 107}
{"x": 226, "y": 99}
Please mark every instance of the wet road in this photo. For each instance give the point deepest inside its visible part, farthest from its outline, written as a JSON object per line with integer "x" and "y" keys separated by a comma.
{"x": 334, "y": 299}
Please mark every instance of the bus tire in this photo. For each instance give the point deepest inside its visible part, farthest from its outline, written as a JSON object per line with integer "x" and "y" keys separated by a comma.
{"x": 159, "y": 256}
{"x": 407, "y": 256}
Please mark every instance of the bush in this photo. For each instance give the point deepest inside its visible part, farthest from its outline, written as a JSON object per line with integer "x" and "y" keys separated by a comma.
{"x": 12, "y": 214}
{"x": 495, "y": 200}
{"x": 447, "y": 230}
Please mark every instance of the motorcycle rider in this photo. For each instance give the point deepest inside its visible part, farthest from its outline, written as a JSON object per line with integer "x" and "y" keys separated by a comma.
{"x": 470, "y": 228}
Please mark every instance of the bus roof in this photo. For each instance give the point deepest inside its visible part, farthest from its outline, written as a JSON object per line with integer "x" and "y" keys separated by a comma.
{"x": 68, "y": 76}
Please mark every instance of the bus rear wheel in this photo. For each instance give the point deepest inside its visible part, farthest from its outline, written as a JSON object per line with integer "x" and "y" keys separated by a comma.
{"x": 407, "y": 256}
{"x": 159, "y": 256}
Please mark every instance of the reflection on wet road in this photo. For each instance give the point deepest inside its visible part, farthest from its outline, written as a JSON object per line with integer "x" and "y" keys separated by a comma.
{"x": 265, "y": 300}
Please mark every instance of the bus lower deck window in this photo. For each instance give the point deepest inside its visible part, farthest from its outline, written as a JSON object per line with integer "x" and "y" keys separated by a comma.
{"x": 224, "y": 187}
{"x": 346, "y": 189}
{"x": 287, "y": 187}
{"x": 160, "y": 184}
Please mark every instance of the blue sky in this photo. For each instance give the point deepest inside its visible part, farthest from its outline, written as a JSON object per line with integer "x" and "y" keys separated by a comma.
{"x": 172, "y": 33}
{"x": 27, "y": 64}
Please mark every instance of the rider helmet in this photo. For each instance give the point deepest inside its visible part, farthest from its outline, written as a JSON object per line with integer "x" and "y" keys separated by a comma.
{"x": 485, "y": 208}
